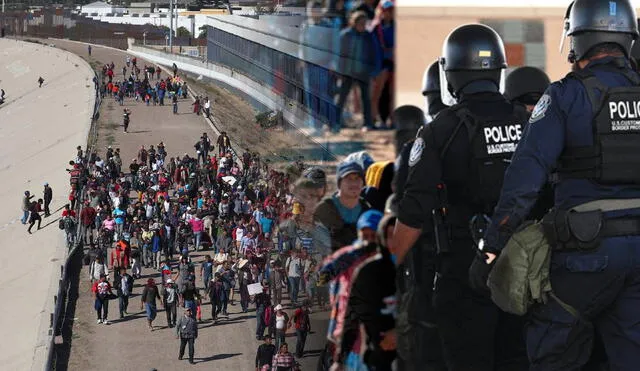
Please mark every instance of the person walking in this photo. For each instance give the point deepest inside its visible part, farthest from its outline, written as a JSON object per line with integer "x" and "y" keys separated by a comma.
{"x": 148, "y": 301}
{"x": 206, "y": 271}
{"x": 126, "y": 116}
{"x": 34, "y": 214}
{"x": 26, "y": 203}
{"x": 187, "y": 332}
{"x": 262, "y": 301}
{"x": 40, "y": 81}
{"x": 303, "y": 327}
{"x": 283, "y": 361}
{"x": 48, "y": 196}
{"x": 98, "y": 269}
{"x": 281, "y": 320}
{"x": 189, "y": 293}
{"x": 265, "y": 354}
{"x": 207, "y": 107}
{"x": 124, "y": 287}
{"x": 216, "y": 295}
{"x": 174, "y": 100}
{"x": 294, "y": 272}
{"x": 89, "y": 49}
{"x": 102, "y": 290}
{"x": 196, "y": 106}
{"x": 170, "y": 300}
{"x": 87, "y": 221}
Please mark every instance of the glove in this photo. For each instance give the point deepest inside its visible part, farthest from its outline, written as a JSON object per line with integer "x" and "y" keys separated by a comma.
{"x": 479, "y": 274}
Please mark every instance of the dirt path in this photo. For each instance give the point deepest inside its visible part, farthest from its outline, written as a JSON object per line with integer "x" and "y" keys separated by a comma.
{"x": 127, "y": 344}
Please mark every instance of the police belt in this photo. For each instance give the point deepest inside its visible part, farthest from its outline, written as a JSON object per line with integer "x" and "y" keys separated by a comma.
{"x": 584, "y": 226}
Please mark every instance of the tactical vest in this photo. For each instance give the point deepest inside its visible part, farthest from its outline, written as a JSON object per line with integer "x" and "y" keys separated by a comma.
{"x": 614, "y": 156}
{"x": 493, "y": 140}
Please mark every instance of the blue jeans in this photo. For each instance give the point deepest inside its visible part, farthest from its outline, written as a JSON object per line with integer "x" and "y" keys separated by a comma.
{"x": 260, "y": 321}
{"x": 175, "y": 108}
{"x": 25, "y": 216}
{"x": 198, "y": 236}
{"x": 294, "y": 285}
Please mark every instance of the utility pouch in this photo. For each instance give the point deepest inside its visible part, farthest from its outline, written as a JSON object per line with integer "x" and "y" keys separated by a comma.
{"x": 555, "y": 227}
{"x": 585, "y": 229}
{"x": 571, "y": 230}
{"x": 440, "y": 232}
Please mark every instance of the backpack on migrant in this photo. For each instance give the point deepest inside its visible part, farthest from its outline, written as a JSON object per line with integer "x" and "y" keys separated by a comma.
{"x": 61, "y": 224}
{"x": 520, "y": 277}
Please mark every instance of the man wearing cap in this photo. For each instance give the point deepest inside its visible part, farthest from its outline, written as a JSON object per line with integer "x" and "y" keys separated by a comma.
{"x": 48, "y": 196}
{"x": 339, "y": 212}
{"x": 370, "y": 296}
{"x": 187, "y": 332}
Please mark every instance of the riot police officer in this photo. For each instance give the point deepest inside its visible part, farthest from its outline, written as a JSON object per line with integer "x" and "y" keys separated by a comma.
{"x": 408, "y": 120}
{"x": 456, "y": 170}
{"x": 525, "y": 85}
{"x": 585, "y": 126}
{"x": 431, "y": 91}
{"x": 419, "y": 346}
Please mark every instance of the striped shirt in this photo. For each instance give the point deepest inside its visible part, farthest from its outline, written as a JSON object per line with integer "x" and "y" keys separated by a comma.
{"x": 282, "y": 360}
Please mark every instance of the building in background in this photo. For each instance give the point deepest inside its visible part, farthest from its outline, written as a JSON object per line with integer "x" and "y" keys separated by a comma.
{"x": 100, "y": 8}
{"x": 531, "y": 35}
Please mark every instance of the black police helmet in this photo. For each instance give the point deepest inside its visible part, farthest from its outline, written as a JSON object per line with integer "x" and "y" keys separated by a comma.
{"x": 408, "y": 119}
{"x": 472, "y": 52}
{"x": 473, "y": 47}
{"x": 594, "y": 22}
{"x": 431, "y": 79}
{"x": 525, "y": 81}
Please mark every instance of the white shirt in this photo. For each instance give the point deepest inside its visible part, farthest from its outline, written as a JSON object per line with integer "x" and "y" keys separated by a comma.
{"x": 239, "y": 234}
{"x": 207, "y": 104}
{"x": 280, "y": 322}
{"x": 294, "y": 267}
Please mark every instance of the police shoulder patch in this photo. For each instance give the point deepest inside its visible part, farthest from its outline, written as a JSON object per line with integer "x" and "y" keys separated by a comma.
{"x": 541, "y": 108}
{"x": 416, "y": 151}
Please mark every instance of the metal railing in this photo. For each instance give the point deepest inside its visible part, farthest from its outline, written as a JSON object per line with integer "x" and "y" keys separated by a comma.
{"x": 59, "y": 319}
{"x": 241, "y": 76}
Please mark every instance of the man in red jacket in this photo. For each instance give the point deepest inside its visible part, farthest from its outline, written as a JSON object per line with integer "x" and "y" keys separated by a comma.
{"x": 87, "y": 222}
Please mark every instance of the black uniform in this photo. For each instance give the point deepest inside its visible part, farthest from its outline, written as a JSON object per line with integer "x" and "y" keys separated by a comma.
{"x": 419, "y": 346}
{"x": 458, "y": 163}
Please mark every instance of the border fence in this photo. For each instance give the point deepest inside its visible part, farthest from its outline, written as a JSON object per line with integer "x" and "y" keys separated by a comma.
{"x": 64, "y": 300}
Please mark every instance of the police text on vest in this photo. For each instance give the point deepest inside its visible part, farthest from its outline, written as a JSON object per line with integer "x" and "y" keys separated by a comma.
{"x": 502, "y": 139}
{"x": 624, "y": 115}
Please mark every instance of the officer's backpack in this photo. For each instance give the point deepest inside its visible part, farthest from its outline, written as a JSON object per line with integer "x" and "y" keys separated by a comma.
{"x": 493, "y": 140}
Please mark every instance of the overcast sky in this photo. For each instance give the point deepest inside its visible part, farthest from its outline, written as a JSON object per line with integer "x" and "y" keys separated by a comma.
{"x": 491, "y": 3}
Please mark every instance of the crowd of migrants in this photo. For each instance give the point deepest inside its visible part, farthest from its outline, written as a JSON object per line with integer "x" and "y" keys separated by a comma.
{"x": 138, "y": 85}
{"x": 267, "y": 232}
{"x": 364, "y": 31}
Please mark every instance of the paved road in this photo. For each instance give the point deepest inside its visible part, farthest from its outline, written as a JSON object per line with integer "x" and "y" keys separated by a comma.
{"x": 128, "y": 344}
{"x": 39, "y": 130}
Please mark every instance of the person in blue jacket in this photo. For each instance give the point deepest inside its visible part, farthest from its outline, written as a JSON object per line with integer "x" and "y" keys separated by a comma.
{"x": 586, "y": 130}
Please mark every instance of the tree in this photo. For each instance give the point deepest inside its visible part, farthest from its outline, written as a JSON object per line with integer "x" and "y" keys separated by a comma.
{"x": 203, "y": 32}
{"x": 183, "y": 32}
